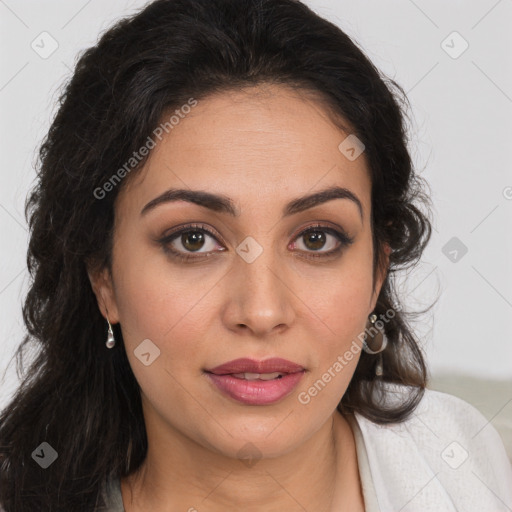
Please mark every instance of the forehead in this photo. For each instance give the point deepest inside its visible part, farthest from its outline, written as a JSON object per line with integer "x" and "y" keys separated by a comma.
{"x": 262, "y": 144}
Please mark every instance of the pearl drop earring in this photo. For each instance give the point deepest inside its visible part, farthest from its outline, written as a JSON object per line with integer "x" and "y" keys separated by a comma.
{"x": 111, "y": 341}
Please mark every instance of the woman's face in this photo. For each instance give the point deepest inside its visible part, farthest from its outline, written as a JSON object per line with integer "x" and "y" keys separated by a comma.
{"x": 254, "y": 284}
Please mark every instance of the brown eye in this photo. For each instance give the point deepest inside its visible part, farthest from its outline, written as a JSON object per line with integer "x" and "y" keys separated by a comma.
{"x": 183, "y": 243}
{"x": 314, "y": 240}
{"x": 192, "y": 240}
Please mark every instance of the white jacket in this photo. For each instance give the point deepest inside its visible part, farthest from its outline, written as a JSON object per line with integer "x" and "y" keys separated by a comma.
{"x": 446, "y": 457}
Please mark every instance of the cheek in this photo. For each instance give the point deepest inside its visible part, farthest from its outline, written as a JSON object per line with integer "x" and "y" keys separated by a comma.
{"x": 168, "y": 308}
{"x": 174, "y": 310}
{"x": 341, "y": 298}
{"x": 156, "y": 299}
{"x": 340, "y": 302}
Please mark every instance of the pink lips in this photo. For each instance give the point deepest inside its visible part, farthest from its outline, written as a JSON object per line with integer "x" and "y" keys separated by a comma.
{"x": 274, "y": 364}
{"x": 256, "y": 392}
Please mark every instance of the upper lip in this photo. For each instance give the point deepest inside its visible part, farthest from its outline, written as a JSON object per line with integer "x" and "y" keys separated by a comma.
{"x": 245, "y": 365}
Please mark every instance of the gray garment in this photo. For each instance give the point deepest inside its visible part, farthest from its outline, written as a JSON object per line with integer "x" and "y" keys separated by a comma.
{"x": 113, "y": 497}
{"x": 114, "y": 500}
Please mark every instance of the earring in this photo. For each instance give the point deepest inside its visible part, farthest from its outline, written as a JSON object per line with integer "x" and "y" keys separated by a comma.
{"x": 111, "y": 341}
{"x": 378, "y": 339}
{"x": 378, "y": 367}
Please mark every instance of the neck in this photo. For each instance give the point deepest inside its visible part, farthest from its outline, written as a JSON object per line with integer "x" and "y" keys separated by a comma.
{"x": 321, "y": 474}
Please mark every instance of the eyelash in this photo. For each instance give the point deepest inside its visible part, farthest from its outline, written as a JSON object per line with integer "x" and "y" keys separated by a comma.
{"x": 341, "y": 236}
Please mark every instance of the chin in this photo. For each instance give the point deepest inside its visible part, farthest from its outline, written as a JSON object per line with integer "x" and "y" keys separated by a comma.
{"x": 253, "y": 439}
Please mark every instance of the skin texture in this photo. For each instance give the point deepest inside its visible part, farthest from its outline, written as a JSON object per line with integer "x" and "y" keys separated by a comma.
{"x": 262, "y": 147}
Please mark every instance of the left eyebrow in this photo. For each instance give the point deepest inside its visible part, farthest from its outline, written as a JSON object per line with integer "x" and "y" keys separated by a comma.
{"x": 224, "y": 204}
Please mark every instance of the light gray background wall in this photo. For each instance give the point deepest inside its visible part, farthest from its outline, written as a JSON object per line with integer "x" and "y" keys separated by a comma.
{"x": 460, "y": 135}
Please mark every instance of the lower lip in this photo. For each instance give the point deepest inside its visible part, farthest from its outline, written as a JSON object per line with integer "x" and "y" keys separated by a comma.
{"x": 256, "y": 392}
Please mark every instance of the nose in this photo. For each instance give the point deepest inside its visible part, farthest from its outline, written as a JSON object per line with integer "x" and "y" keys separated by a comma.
{"x": 260, "y": 300}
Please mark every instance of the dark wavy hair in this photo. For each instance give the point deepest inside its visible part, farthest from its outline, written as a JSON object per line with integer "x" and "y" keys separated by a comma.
{"x": 83, "y": 398}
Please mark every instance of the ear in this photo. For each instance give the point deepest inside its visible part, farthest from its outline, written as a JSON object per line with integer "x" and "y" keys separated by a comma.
{"x": 381, "y": 275}
{"x": 103, "y": 288}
